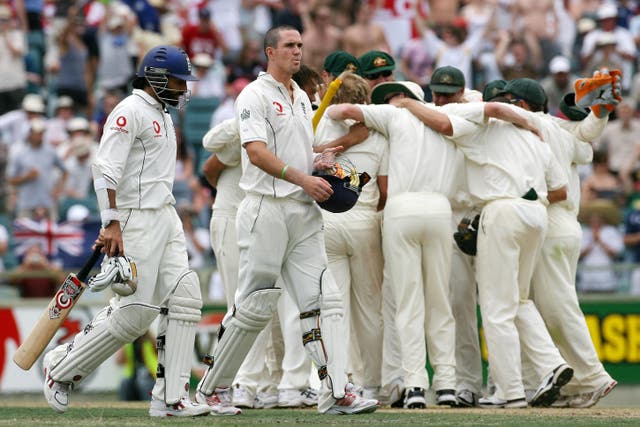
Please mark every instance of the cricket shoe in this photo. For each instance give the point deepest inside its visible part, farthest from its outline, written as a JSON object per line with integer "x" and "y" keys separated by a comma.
{"x": 495, "y": 402}
{"x": 414, "y": 398}
{"x": 549, "y": 389}
{"x": 396, "y": 393}
{"x": 587, "y": 400}
{"x": 219, "y": 402}
{"x": 242, "y": 398}
{"x": 290, "y": 398}
{"x": 466, "y": 399}
{"x": 446, "y": 397}
{"x": 266, "y": 400}
{"x": 56, "y": 393}
{"x": 184, "y": 408}
{"x": 352, "y": 404}
{"x": 309, "y": 397}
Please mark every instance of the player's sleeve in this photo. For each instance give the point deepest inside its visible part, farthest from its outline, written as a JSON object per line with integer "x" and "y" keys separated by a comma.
{"x": 251, "y": 116}
{"x": 379, "y": 117}
{"x": 588, "y": 129}
{"x": 224, "y": 140}
{"x": 328, "y": 130}
{"x": 466, "y": 119}
{"x": 119, "y": 133}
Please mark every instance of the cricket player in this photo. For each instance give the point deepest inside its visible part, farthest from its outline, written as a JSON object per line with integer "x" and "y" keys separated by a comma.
{"x": 553, "y": 287}
{"x": 354, "y": 245}
{"x": 280, "y": 231}
{"x": 509, "y": 173}
{"x": 133, "y": 177}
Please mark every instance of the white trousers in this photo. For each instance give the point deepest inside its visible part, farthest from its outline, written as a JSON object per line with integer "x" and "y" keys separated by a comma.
{"x": 509, "y": 243}
{"x": 354, "y": 252}
{"x": 464, "y": 305}
{"x": 416, "y": 240}
{"x": 553, "y": 290}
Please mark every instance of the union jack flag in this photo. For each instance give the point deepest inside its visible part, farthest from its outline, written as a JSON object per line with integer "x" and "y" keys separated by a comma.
{"x": 51, "y": 236}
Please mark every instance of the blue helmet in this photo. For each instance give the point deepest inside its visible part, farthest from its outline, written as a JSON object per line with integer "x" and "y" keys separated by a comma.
{"x": 346, "y": 184}
{"x": 162, "y": 62}
{"x": 166, "y": 61}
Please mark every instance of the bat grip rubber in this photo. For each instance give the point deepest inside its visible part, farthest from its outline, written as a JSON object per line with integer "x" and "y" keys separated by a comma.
{"x": 88, "y": 265}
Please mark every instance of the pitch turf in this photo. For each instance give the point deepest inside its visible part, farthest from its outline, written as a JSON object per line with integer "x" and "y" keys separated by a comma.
{"x": 98, "y": 413}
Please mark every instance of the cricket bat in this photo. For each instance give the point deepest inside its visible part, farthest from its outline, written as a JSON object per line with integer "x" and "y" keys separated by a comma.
{"x": 55, "y": 313}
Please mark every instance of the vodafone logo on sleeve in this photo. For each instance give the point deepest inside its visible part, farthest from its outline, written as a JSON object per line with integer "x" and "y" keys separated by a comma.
{"x": 121, "y": 122}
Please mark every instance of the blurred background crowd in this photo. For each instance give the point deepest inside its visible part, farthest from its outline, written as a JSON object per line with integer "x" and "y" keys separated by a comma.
{"x": 64, "y": 65}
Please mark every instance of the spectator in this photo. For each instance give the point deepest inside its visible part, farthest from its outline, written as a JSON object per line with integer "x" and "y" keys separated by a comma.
{"x": 203, "y": 37}
{"x": 139, "y": 362}
{"x": 29, "y": 171}
{"x": 620, "y": 140}
{"x": 601, "y": 184}
{"x": 78, "y": 165}
{"x": 539, "y": 18}
{"x": 210, "y": 74}
{"x": 519, "y": 56}
{"x": 109, "y": 100}
{"x": 558, "y": 83}
{"x": 632, "y": 234}
{"x": 56, "y": 132}
{"x": 416, "y": 63}
{"x": 290, "y": 15}
{"x": 14, "y": 125}
{"x": 12, "y": 66}
{"x": 320, "y": 36}
{"x": 625, "y": 47}
{"x": 364, "y": 35}
{"x": 602, "y": 244}
{"x": 115, "y": 67}
{"x": 606, "y": 55}
{"x": 36, "y": 276}
{"x": 225, "y": 110}
{"x": 250, "y": 62}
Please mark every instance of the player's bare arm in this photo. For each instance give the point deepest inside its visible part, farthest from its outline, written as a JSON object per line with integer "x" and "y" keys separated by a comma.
{"x": 555, "y": 196}
{"x": 432, "y": 118}
{"x": 316, "y": 187}
{"x": 212, "y": 169}
{"x": 357, "y": 134}
{"x": 112, "y": 235}
{"x": 345, "y": 111}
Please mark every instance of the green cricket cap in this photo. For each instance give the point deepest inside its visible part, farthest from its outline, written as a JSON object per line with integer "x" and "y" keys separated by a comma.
{"x": 446, "y": 79}
{"x": 528, "y": 89}
{"x": 338, "y": 61}
{"x": 493, "y": 89}
{"x": 376, "y": 61}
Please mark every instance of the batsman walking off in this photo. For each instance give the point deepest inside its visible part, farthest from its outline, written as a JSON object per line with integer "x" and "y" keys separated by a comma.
{"x": 280, "y": 232}
{"x": 133, "y": 175}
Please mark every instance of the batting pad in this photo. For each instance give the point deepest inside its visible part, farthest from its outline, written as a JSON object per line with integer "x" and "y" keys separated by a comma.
{"x": 184, "y": 314}
{"x": 240, "y": 332}
{"x": 107, "y": 332}
{"x": 333, "y": 325}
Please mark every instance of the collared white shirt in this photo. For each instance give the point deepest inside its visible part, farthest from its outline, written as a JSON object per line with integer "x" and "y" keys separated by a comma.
{"x": 265, "y": 113}
{"x": 137, "y": 152}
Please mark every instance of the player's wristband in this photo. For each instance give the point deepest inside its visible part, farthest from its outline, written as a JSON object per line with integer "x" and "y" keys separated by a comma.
{"x": 284, "y": 170}
{"x": 108, "y": 215}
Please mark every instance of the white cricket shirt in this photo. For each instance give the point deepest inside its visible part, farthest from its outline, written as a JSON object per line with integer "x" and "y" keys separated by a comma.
{"x": 265, "y": 113}
{"x": 137, "y": 152}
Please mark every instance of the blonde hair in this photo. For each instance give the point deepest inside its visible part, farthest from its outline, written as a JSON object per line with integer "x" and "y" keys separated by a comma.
{"x": 354, "y": 89}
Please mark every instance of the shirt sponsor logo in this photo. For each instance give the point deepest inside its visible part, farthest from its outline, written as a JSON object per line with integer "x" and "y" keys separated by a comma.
{"x": 121, "y": 122}
{"x": 246, "y": 114}
{"x": 279, "y": 109}
{"x": 156, "y": 128}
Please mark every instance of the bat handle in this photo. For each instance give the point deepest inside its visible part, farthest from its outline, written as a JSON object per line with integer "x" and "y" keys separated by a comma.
{"x": 86, "y": 268}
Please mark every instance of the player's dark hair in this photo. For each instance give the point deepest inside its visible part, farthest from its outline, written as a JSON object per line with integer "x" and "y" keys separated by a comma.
{"x": 139, "y": 82}
{"x": 305, "y": 76}
{"x": 272, "y": 37}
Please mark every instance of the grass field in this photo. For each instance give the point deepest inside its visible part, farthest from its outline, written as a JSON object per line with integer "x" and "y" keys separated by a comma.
{"x": 98, "y": 410}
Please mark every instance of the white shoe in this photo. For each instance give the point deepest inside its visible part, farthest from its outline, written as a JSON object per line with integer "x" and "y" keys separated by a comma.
{"x": 549, "y": 389}
{"x": 309, "y": 397}
{"x": 414, "y": 398}
{"x": 396, "y": 393}
{"x": 371, "y": 393}
{"x": 290, "y": 398}
{"x": 56, "y": 393}
{"x": 184, "y": 408}
{"x": 466, "y": 399}
{"x": 494, "y": 402}
{"x": 219, "y": 402}
{"x": 266, "y": 400}
{"x": 242, "y": 398}
{"x": 563, "y": 401}
{"x": 351, "y": 404}
{"x": 587, "y": 400}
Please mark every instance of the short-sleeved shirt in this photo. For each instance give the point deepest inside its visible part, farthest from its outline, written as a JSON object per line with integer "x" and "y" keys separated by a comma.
{"x": 506, "y": 162}
{"x": 371, "y": 156}
{"x": 266, "y": 113}
{"x": 224, "y": 141}
{"x": 137, "y": 153}
{"x": 420, "y": 159}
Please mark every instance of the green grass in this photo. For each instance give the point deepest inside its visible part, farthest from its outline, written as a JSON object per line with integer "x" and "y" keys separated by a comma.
{"x": 135, "y": 414}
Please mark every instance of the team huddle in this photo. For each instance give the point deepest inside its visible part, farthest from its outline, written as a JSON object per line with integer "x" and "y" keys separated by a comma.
{"x": 333, "y": 232}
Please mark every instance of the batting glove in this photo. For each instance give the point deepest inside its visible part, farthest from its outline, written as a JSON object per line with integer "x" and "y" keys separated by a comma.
{"x": 117, "y": 270}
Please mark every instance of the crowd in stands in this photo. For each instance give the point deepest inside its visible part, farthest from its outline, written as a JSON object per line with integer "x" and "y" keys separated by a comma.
{"x": 65, "y": 64}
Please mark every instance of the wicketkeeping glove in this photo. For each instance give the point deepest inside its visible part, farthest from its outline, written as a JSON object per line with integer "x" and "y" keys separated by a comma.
{"x": 121, "y": 270}
{"x": 601, "y": 92}
{"x": 467, "y": 235}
